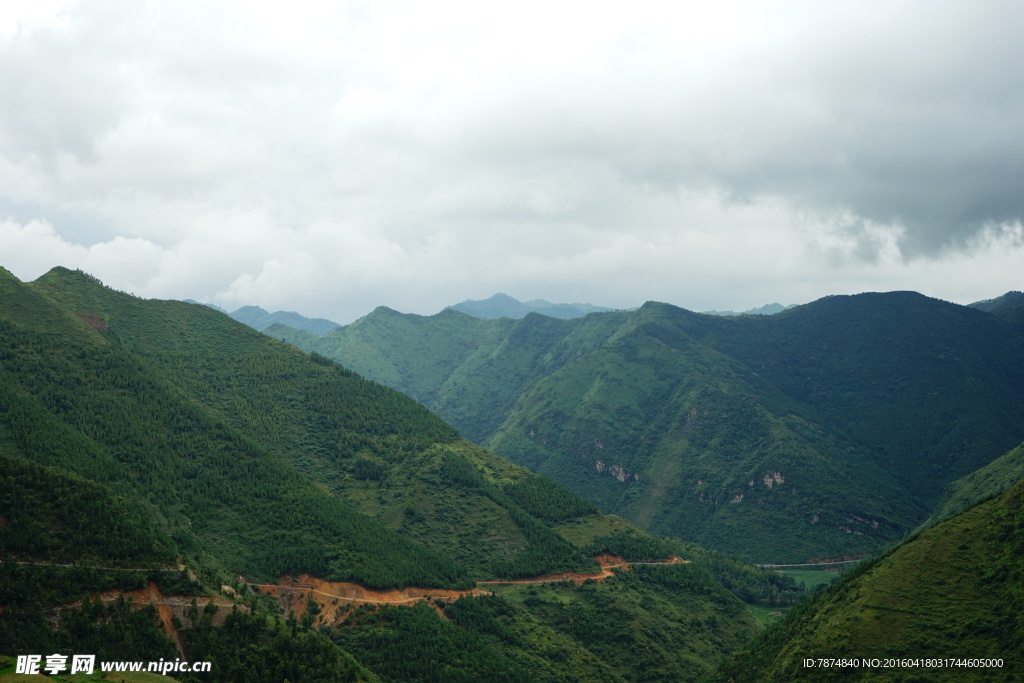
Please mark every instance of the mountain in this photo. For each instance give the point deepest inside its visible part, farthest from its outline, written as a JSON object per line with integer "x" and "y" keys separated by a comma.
{"x": 951, "y": 593}
{"x": 259, "y": 319}
{"x": 985, "y": 482}
{"x": 504, "y": 306}
{"x": 767, "y": 309}
{"x": 1009, "y": 307}
{"x": 157, "y": 453}
{"x": 826, "y": 430}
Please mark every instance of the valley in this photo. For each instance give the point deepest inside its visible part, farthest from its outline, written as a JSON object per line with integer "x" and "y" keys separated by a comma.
{"x": 176, "y": 482}
{"x": 825, "y": 430}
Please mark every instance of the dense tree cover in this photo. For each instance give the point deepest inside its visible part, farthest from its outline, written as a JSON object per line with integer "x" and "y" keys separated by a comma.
{"x": 669, "y": 625}
{"x": 173, "y": 432}
{"x": 113, "y": 631}
{"x": 366, "y": 444}
{"x": 546, "y": 551}
{"x": 29, "y": 586}
{"x": 931, "y": 390}
{"x": 112, "y": 416}
{"x": 992, "y": 479}
{"x": 253, "y": 648}
{"x": 247, "y": 647}
{"x": 750, "y": 584}
{"x": 632, "y": 546}
{"x": 686, "y": 443}
{"x": 826, "y": 430}
{"x": 415, "y": 644}
{"x": 615, "y": 619}
{"x": 546, "y": 500}
{"x": 50, "y": 514}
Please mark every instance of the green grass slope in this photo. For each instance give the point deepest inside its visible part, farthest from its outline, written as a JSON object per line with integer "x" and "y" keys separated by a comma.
{"x": 990, "y": 480}
{"x": 951, "y": 592}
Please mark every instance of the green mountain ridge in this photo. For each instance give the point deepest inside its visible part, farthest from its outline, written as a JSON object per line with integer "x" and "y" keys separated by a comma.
{"x": 951, "y": 593}
{"x": 137, "y": 435}
{"x": 260, "y": 319}
{"x": 985, "y": 482}
{"x": 829, "y": 429}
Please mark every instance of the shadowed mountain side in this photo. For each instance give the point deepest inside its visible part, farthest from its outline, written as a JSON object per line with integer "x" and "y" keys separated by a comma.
{"x": 951, "y": 592}
{"x": 829, "y": 429}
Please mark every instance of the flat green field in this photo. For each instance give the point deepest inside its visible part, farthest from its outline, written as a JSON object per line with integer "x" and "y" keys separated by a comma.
{"x": 812, "y": 578}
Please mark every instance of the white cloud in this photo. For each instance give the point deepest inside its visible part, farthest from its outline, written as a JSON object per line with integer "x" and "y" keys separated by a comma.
{"x": 333, "y": 156}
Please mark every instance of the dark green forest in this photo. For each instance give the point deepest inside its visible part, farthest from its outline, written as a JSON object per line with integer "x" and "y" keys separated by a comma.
{"x": 826, "y": 430}
{"x": 160, "y": 451}
{"x": 162, "y": 447}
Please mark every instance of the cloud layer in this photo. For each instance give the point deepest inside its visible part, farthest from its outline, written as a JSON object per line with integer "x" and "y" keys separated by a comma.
{"x": 332, "y": 157}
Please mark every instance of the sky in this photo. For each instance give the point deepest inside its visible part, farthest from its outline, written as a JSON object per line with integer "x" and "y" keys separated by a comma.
{"x": 332, "y": 157}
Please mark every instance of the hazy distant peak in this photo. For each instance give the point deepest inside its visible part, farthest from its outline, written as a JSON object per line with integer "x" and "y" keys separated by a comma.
{"x": 504, "y": 306}
{"x": 249, "y": 310}
{"x": 208, "y": 305}
{"x": 260, "y": 319}
{"x": 767, "y": 309}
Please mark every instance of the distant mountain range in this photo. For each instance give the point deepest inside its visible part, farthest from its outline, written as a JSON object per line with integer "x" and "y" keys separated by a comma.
{"x": 498, "y": 306}
{"x": 504, "y": 306}
{"x": 829, "y": 429}
{"x": 767, "y": 309}
{"x": 259, "y": 319}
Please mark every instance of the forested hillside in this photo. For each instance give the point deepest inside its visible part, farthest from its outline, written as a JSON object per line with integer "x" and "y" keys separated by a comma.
{"x": 165, "y": 449}
{"x": 826, "y": 430}
{"x": 951, "y": 593}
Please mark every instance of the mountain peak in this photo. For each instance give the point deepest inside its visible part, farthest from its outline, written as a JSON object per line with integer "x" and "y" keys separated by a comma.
{"x": 502, "y": 305}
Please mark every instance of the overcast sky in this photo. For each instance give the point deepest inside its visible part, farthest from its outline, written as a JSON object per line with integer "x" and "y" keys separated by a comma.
{"x": 330, "y": 157}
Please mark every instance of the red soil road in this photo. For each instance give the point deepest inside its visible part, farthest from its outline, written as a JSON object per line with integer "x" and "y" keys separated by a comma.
{"x": 332, "y": 597}
{"x": 607, "y": 563}
{"x": 293, "y": 594}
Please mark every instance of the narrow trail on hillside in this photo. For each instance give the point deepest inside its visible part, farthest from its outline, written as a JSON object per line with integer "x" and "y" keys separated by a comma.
{"x": 293, "y": 592}
{"x": 333, "y": 597}
{"x": 607, "y": 563}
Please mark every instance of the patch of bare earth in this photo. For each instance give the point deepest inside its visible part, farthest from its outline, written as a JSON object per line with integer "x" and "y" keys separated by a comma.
{"x": 334, "y": 597}
{"x": 170, "y": 606}
{"x": 94, "y": 321}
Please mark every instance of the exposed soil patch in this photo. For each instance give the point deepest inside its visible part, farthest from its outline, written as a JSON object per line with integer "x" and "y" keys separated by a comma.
{"x": 333, "y": 597}
{"x": 170, "y": 606}
{"x": 94, "y": 321}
